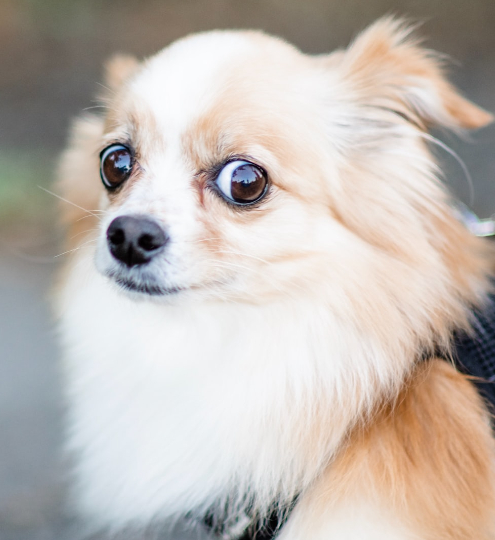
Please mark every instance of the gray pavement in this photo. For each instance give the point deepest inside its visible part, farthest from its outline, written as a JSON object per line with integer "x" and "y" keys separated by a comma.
{"x": 30, "y": 407}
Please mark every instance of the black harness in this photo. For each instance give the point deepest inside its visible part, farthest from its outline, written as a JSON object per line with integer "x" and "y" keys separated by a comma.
{"x": 473, "y": 354}
{"x": 259, "y": 529}
{"x": 266, "y": 530}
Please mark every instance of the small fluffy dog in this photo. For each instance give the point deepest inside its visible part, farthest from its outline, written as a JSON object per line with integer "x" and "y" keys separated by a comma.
{"x": 266, "y": 271}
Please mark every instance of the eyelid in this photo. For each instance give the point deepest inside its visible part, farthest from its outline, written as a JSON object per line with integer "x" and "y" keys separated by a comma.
{"x": 112, "y": 148}
{"x": 111, "y": 143}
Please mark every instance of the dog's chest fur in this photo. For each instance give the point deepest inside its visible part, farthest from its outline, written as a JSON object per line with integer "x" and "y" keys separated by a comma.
{"x": 176, "y": 408}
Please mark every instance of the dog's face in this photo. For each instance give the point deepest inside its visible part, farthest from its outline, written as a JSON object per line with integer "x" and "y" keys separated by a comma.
{"x": 236, "y": 167}
{"x": 212, "y": 165}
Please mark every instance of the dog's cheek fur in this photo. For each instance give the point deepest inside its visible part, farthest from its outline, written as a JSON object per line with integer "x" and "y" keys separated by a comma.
{"x": 389, "y": 204}
{"x": 425, "y": 462}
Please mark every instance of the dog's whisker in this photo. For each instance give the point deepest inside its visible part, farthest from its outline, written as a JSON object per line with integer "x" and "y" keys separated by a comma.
{"x": 82, "y": 232}
{"x": 112, "y": 91}
{"x": 203, "y": 240}
{"x": 92, "y": 107}
{"x": 102, "y": 213}
{"x": 233, "y": 265}
{"x": 69, "y": 202}
{"x": 230, "y": 252}
{"x": 446, "y": 148}
{"x": 85, "y": 244}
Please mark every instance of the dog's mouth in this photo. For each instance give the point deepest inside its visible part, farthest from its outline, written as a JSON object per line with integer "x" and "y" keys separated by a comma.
{"x": 143, "y": 286}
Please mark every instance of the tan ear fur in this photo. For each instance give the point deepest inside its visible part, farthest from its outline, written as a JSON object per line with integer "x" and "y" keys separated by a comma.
{"x": 468, "y": 114}
{"x": 389, "y": 68}
{"x": 118, "y": 69}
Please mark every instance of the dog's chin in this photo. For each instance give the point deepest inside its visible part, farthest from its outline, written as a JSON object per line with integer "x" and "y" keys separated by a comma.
{"x": 141, "y": 289}
{"x": 149, "y": 289}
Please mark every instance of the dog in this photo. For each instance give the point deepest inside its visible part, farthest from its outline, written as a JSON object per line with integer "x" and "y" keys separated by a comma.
{"x": 265, "y": 278}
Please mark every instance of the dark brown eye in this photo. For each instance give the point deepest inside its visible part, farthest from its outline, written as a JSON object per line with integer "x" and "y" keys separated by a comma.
{"x": 115, "y": 165}
{"x": 242, "y": 182}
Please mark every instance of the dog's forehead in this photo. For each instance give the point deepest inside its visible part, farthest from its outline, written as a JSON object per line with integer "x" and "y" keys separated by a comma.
{"x": 184, "y": 79}
{"x": 217, "y": 94}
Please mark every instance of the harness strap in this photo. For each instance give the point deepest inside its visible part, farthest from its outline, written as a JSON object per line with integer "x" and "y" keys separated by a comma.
{"x": 474, "y": 353}
{"x": 264, "y": 528}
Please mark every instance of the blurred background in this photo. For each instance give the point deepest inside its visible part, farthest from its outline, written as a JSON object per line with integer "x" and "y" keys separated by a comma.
{"x": 51, "y": 53}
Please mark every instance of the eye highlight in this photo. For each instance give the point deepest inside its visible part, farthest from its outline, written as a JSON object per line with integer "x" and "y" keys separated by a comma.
{"x": 242, "y": 182}
{"x": 115, "y": 165}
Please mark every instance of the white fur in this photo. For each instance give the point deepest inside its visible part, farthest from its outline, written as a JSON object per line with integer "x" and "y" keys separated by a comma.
{"x": 178, "y": 83}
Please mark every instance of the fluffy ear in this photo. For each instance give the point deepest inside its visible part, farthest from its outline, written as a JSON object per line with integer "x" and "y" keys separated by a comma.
{"x": 118, "y": 69}
{"x": 388, "y": 68}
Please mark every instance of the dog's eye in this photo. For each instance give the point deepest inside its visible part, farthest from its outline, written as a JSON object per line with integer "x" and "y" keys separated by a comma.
{"x": 242, "y": 182}
{"x": 115, "y": 165}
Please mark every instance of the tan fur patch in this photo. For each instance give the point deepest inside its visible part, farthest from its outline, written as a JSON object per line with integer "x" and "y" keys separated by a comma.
{"x": 252, "y": 116}
{"x": 428, "y": 458}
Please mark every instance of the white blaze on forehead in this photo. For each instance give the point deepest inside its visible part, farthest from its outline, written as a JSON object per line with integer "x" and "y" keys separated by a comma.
{"x": 180, "y": 82}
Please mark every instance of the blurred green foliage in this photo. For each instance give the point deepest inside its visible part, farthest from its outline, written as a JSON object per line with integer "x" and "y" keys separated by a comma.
{"x": 22, "y": 175}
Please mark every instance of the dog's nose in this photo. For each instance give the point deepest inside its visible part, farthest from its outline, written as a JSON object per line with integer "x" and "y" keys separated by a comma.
{"x": 135, "y": 240}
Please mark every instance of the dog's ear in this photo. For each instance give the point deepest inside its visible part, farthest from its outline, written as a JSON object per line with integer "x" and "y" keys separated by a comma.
{"x": 388, "y": 68}
{"x": 118, "y": 69}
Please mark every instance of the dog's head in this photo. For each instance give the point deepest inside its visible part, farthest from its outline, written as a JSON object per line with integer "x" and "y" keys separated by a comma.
{"x": 233, "y": 166}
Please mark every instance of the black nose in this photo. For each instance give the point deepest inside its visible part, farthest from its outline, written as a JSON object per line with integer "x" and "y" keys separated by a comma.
{"x": 135, "y": 240}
